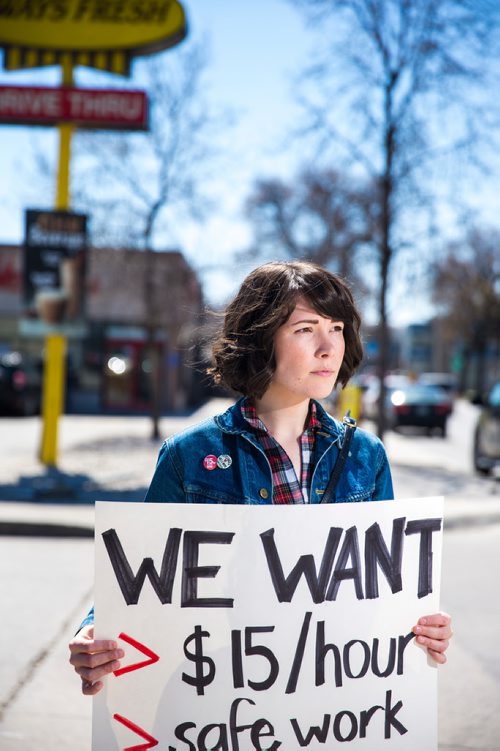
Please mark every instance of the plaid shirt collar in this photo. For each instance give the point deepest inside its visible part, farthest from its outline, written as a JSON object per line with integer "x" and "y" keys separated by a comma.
{"x": 286, "y": 486}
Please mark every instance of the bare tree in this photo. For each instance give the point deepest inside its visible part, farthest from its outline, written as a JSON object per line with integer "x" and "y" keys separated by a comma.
{"x": 133, "y": 185}
{"x": 387, "y": 94}
{"x": 466, "y": 290}
{"x": 319, "y": 215}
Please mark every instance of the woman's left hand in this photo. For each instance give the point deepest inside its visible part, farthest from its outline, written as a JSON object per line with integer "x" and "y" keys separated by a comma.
{"x": 434, "y": 632}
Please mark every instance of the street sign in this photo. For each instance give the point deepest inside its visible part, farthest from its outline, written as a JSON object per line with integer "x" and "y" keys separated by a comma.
{"x": 90, "y": 108}
{"x": 54, "y": 266}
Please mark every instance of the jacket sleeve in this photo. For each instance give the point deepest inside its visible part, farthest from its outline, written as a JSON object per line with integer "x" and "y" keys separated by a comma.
{"x": 167, "y": 483}
{"x": 384, "y": 490}
{"x": 88, "y": 620}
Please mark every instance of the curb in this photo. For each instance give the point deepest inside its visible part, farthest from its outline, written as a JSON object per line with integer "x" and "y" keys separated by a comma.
{"x": 18, "y": 528}
{"x": 43, "y": 529}
{"x": 459, "y": 522}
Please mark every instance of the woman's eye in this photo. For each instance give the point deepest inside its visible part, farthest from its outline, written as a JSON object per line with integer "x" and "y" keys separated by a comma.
{"x": 302, "y": 330}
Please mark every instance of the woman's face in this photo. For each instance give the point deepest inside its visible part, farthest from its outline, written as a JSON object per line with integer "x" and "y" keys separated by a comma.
{"x": 309, "y": 350}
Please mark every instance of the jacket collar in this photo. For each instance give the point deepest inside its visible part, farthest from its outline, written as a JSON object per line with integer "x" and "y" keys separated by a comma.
{"x": 232, "y": 421}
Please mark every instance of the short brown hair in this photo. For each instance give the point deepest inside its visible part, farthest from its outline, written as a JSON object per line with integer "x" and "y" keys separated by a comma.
{"x": 243, "y": 352}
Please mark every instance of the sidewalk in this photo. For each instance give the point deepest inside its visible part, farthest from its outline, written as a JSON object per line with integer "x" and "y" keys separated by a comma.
{"x": 113, "y": 458}
{"x": 108, "y": 458}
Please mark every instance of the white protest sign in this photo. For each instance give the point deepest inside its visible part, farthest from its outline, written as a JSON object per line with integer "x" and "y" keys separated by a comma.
{"x": 267, "y": 627}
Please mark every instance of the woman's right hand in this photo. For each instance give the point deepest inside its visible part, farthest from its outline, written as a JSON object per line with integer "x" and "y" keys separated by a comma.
{"x": 93, "y": 659}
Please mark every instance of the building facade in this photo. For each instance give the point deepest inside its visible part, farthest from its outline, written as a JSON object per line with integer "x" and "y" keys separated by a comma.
{"x": 138, "y": 305}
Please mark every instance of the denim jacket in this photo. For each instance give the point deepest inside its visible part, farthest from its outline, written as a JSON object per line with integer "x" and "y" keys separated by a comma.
{"x": 181, "y": 476}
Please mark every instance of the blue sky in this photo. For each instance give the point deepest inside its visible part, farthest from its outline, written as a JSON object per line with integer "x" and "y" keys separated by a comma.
{"x": 255, "y": 48}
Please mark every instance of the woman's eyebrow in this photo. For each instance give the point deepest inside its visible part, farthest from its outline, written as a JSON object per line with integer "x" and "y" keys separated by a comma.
{"x": 314, "y": 320}
{"x": 304, "y": 320}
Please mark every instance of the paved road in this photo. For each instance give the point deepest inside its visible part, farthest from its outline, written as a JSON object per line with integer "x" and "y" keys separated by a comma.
{"x": 47, "y": 585}
{"x": 469, "y": 686}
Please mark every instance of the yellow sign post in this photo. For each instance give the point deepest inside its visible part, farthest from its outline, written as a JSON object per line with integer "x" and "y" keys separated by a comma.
{"x": 65, "y": 134}
{"x": 52, "y": 396}
{"x": 54, "y": 376}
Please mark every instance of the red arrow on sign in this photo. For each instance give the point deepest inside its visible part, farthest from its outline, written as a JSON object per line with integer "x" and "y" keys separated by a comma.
{"x": 152, "y": 656}
{"x": 139, "y": 731}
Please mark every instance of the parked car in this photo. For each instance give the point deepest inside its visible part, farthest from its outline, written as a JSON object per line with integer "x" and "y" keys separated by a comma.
{"x": 20, "y": 384}
{"x": 420, "y": 406}
{"x": 371, "y": 395}
{"x": 487, "y": 434}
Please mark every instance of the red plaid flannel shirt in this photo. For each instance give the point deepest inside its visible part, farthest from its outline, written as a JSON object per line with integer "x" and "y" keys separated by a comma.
{"x": 286, "y": 486}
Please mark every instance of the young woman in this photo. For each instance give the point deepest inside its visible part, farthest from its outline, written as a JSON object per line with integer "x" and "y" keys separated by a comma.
{"x": 289, "y": 337}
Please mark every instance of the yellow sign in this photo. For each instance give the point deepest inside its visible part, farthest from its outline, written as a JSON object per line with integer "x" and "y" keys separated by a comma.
{"x": 103, "y": 34}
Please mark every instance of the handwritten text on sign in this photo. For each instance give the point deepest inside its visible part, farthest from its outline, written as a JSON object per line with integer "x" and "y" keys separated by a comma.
{"x": 265, "y": 628}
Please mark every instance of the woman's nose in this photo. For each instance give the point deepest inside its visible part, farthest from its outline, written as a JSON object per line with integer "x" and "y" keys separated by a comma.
{"x": 325, "y": 346}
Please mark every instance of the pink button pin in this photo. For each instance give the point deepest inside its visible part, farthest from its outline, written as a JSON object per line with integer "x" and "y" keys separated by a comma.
{"x": 210, "y": 462}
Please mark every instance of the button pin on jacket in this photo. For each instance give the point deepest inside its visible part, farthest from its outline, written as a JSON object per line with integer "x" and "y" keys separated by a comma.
{"x": 210, "y": 462}
{"x": 224, "y": 461}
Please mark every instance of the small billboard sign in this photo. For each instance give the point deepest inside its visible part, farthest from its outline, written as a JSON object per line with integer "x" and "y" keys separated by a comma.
{"x": 54, "y": 268}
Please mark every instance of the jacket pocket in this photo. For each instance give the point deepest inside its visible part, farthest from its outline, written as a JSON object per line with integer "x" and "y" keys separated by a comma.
{"x": 209, "y": 494}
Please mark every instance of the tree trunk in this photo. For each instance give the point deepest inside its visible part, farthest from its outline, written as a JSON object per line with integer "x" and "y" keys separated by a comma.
{"x": 151, "y": 345}
{"x": 479, "y": 351}
{"x": 383, "y": 336}
{"x": 385, "y": 261}
{"x": 154, "y": 384}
